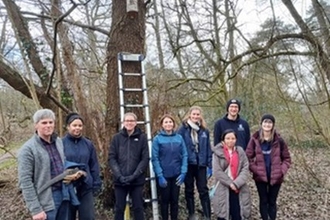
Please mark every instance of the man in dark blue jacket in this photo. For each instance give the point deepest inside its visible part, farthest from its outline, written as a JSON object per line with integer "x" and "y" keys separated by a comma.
{"x": 232, "y": 120}
{"x": 128, "y": 160}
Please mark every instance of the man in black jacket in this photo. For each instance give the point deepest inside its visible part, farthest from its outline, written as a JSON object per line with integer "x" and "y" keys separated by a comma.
{"x": 128, "y": 160}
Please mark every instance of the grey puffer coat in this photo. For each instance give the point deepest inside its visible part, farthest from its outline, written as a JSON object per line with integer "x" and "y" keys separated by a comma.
{"x": 220, "y": 200}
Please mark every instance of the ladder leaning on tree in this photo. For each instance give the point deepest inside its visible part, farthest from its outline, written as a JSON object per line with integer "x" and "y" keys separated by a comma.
{"x": 124, "y": 104}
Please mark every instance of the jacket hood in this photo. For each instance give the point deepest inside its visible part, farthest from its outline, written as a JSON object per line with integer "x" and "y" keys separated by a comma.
{"x": 227, "y": 119}
{"x": 218, "y": 150}
{"x": 137, "y": 131}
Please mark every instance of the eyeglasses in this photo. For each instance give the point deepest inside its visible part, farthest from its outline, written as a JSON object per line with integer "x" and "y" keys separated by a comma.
{"x": 131, "y": 121}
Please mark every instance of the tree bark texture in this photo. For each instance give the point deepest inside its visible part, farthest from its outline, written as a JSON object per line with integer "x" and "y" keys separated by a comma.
{"x": 127, "y": 35}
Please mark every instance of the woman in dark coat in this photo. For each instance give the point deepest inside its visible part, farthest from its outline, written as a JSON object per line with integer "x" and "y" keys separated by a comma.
{"x": 81, "y": 150}
{"x": 270, "y": 160}
{"x": 197, "y": 139}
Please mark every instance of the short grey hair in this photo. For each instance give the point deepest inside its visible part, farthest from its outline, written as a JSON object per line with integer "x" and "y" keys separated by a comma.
{"x": 43, "y": 114}
{"x": 130, "y": 114}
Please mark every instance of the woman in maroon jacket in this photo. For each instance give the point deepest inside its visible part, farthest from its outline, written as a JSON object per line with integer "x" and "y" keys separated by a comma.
{"x": 270, "y": 160}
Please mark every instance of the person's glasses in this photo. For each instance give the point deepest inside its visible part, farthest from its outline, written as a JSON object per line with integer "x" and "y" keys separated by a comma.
{"x": 131, "y": 121}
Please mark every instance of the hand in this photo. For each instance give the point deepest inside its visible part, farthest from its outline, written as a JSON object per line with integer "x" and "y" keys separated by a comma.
{"x": 233, "y": 187}
{"x": 209, "y": 173}
{"x": 180, "y": 179}
{"x": 123, "y": 180}
{"x": 162, "y": 181}
{"x": 130, "y": 178}
{"x": 72, "y": 177}
{"x": 40, "y": 216}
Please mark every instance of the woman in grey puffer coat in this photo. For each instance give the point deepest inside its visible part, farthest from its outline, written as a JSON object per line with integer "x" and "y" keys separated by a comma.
{"x": 231, "y": 169}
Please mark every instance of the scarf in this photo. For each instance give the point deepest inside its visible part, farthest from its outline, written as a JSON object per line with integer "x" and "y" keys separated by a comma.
{"x": 194, "y": 134}
{"x": 233, "y": 161}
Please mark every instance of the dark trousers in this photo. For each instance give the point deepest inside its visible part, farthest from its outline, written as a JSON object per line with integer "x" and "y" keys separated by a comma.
{"x": 267, "y": 199}
{"x": 169, "y": 197}
{"x": 136, "y": 194}
{"x": 198, "y": 174}
{"x": 86, "y": 210}
{"x": 234, "y": 207}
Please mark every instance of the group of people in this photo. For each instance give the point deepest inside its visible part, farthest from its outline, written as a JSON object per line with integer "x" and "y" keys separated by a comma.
{"x": 186, "y": 156}
{"x": 182, "y": 156}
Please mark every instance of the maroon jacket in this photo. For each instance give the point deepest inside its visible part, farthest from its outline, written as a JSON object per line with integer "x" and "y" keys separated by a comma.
{"x": 280, "y": 159}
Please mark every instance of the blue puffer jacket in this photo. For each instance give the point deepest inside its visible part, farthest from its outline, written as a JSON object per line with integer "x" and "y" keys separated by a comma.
{"x": 204, "y": 155}
{"x": 169, "y": 155}
{"x": 81, "y": 150}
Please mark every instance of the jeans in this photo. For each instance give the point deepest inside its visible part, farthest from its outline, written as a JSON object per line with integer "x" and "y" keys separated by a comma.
{"x": 198, "y": 174}
{"x": 57, "y": 197}
{"x": 136, "y": 193}
{"x": 267, "y": 199}
{"x": 169, "y": 196}
{"x": 86, "y": 210}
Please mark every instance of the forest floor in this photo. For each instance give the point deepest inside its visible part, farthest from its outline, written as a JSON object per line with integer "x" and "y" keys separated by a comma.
{"x": 305, "y": 194}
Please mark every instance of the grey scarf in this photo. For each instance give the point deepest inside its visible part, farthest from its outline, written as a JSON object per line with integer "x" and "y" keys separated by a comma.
{"x": 193, "y": 134}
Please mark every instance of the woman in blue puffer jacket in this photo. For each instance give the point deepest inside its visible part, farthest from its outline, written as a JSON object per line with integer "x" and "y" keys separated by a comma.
{"x": 169, "y": 160}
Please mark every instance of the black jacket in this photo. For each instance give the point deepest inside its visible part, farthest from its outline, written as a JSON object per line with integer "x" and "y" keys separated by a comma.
{"x": 129, "y": 155}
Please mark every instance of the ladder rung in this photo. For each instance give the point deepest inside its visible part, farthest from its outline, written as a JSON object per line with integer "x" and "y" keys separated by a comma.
{"x": 150, "y": 178}
{"x": 150, "y": 200}
{"x": 132, "y": 89}
{"x": 132, "y": 74}
{"x": 130, "y": 57}
{"x": 140, "y": 122}
{"x": 133, "y": 105}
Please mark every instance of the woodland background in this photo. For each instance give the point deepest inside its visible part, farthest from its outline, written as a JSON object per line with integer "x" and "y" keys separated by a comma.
{"x": 62, "y": 54}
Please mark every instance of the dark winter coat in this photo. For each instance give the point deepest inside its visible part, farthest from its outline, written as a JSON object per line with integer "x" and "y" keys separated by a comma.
{"x": 82, "y": 151}
{"x": 280, "y": 159}
{"x": 129, "y": 155}
{"x": 204, "y": 156}
{"x": 240, "y": 126}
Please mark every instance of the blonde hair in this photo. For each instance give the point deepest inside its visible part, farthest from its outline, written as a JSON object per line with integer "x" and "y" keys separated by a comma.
{"x": 202, "y": 120}
{"x": 167, "y": 116}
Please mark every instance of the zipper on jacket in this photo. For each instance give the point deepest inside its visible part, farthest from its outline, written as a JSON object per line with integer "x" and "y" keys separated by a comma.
{"x": 128, "y": 155}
